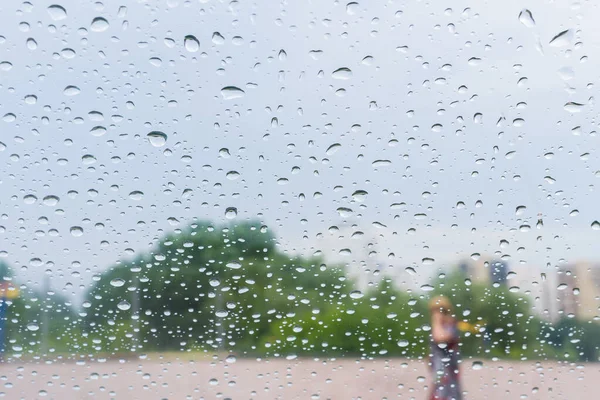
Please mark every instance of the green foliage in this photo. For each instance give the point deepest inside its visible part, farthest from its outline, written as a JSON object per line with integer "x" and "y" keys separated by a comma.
{"x": 385, "y": 321}
{"x": 509, "y": 328}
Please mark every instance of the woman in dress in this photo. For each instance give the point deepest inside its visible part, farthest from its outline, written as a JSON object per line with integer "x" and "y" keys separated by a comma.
{"x": 444, "y": 357}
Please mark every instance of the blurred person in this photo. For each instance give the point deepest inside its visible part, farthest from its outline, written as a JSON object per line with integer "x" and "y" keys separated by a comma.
{"x": 444, "y": 357}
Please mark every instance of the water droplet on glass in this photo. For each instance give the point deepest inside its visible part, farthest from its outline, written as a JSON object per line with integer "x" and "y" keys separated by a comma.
{"x": 5, "y": 66}
{"x": 50, "y": 200}
{"x": 562, "y": 286}
{"x": 117, "y": 282}
{"x": 477, "y": 365}
{"x": 356, "y": 294}
{"x": 232, "y": 175}
{"x": 136, "y": 195}
{"x": 333, "y": 148}
{"x": 71, "y": 91}
{"x": 99, "y": 24}
{"x": 596, "y": 226}
{"x": 232, "y": 92}
{"x": 29, "y": 199}
{"x": 157, "y": 138}
{"x": 573, "y": 107}
{"x": 359, "y": 195}
{"x": 526, "y": 18}
{"x": 217, "y": 38}
{"x": 31, "y": 44}
{"x": 191, "y": 44}
{"x": 76, "y": 231}
{"x": 352, "y": 8}
{"x": 57, "y": 12}
{"x": 231, "y": 212}
{"x": 98, "y": 131}
{"x": 124, "y": 305}
{"x": 233, "y": 265}
{"x": 342, "y": 73}
{"x": 564, "y": 38}
{"x": 32, "y": 326}
{"x": 30, "y": 99}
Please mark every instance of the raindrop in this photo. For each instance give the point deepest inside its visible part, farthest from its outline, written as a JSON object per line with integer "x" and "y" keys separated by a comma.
{"x": 356, "y": 294}
{"x": 98, "y": 131}
{"x": 99, "y": 24}
{"x": 331, "y": 150}
{"x": 191, "y": 44}
{"x": 426, "y": 288}
{"x": 71, "y": 91}
{"x": 5, "y": 66}
{"x": 403, "y": 343}
{"x": 155, "y": 61}
{"x": 526, "y": 18}
{"x": 359, "y": 195}
{"x": 352, "y": 8}
{"x": 233, "y": 265}
{"x": 30, "y": 99}
{"x": 230, "y": 359}
{"x": 342, "y": 73}
{"x": 50, "y": 200}
{"x": 562, "y": 286}
{"x": 31, "y": 44}
{"x": 136, "y": 195}
{"x": 76, "y": 231}
{"x": 117, "y": 282}
{"x": 10, "y": 117}
{"x": 124, "y": 305}
{"x": 232, "y": 175}
{"x": 29, "y": 199}
{"x": 231, "y": 212}
{"x": 33, "y": 326}
{"x": 57, "y": 12}
{"x": 232, "y": 92}
{"x": 381, "y": 163}
{"x": 157, "y": 138}
{"x": 217, "y": 38}
{"x": 596, "y": 226}
{"x": 477, "y": 365}
{"x": 67, "y": 53}
{"x": 573, "y": 107}
{"x": 562, "y": 39}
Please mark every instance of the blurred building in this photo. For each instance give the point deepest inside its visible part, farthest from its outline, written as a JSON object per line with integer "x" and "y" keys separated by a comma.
{"x": 578, "y": 291}
{"x": 485, "y": 271}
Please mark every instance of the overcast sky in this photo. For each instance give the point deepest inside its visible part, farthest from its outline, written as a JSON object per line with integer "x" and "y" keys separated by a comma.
{"x": 448, "y": 119}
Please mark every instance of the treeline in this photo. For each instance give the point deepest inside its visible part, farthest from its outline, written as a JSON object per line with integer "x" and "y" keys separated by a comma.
{"x": 230, "y": 288}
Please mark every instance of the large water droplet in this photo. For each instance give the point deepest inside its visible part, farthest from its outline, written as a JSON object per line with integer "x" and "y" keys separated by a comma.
{"x": 573, "y": 107}
{"x": 333, "y": 149}
{"x": 356, "y": 294}
{"x": 342, "y": 73}
{"x": 157, "y": 138}
{"x": 31, "y": 44}
{"x": 99, "y": 24}
{"x": 477, "y": 365}
{"x": 29, "y": 199}
{"x": 233, "y": 265}
{"x": 30, "y": 99}
{"x": 217, "y": 38}
{"x": 117, "y": 282}
{"x": 136, "y": 195}
{"x": 352, "y": 8}
{"x": 57, "y": 12}
{"x": 32, "y": 326}
{"x": 232, "y": 92}
{"x": 124, "y": 305}
{"x": 76, "y": 231}
{"x": 562, "y": 39}
{"x": 191, "y": 44}
{"x": 526, "y": 18}
{"x": 5, "y": 66}
{"x": 71, "y": 91}
{"x": 231, "y": 212}
{"x": 98, "y": 131}
{"x": 596, "y": 226}
{"x": 50, "y": 200}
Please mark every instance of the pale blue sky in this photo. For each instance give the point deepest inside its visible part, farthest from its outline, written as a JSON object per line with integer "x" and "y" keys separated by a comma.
{"x": 413, "y": 65}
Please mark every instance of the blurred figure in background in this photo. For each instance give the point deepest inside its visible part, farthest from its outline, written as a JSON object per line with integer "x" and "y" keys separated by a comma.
{"x": 444, "y": 355}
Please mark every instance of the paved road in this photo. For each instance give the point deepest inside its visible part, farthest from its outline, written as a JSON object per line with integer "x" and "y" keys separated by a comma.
{"x": 282, "y": 379}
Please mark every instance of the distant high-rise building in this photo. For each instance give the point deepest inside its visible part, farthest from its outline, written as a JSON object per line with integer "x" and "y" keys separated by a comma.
{"x": 578, "y": 291}
{"x": 498, "y": 271}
